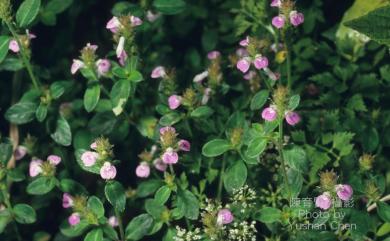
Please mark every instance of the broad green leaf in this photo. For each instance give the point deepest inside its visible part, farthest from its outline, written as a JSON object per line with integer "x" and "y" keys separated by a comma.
{"x": 102, "y": 123}
{"x": 21, "y": 113}
{"x": 5, "y": 150}
{"x": 269, "y": 215}
{"x": 41, "y": 112}
{"x": 57, "y": 89}
{"x": 154, "y": 208}
{"x": 170, "y": 119}
{"x": 24, "y": 213}
{"x": 135, "y": 76}
{"x": 73, "y": 231}
{"x": 188, "y": 204}
{"x": 57, "y": 6}
{"x": 256, "y": 147}
{"x": 16, "y": 175}
{"x": 383, "y": 230}
{"x": 4, "y": 43}
{"x": 162, "y": 195}
{"x": 94, "y": 235}
{"x": 235, "y": 176}
{"x": 27, "y": 12}
{"x": 62, "y": 134}
{"x": 96, "y": 206}
{"x": 296, "y": 158}
{"x": 215, "y": 147}
{"x": 139, "y": 227}
{"x": 115, "y": 194}
{"x": 91, "y": 97}
{"x": 169, "y": 6}
{"x": 71, "y": 186}
{"x": 148, "y": 187}
{"x": 41, "y": 185}
{"x": 202, "y": 111}
{"x": 375, "y": 24}
{"x": 259, "y": 99}
{"x": 293, "y": 102}
{"x": 119, "y": 94}
{"x": 384, "y": 211}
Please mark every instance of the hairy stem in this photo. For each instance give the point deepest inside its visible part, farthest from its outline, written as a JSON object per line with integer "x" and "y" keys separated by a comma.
{"x": 220, "y": 184}
{"x": 120, "y": 223}
{"x": 280, "y": 150}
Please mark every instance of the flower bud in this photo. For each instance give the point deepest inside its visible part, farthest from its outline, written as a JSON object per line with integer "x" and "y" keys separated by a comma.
{"x": 328, "y": 180}
{"x": 366, "y": 162}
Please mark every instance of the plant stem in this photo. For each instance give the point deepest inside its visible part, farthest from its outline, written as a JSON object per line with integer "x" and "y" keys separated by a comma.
{"x": 222, "y": 172}
{"x": 280, "y": 150}
{"x": 288, "y": 65}
{"x": 121, "y": 230}
{"x": 24, "y": 56}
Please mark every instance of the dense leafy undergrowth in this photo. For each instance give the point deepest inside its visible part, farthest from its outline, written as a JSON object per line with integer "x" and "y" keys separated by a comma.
{"x": 184, "y": 120}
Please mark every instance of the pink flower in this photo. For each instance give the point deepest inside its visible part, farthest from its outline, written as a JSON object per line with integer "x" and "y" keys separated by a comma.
{"x": 296, "y": 18}
{"x": 14, "y": 46}
{"x": 271, "y": 75}
{"x": 113, "y": 222}
{"x": 165, "y": 129}
{"x": 93, "y": 145}
{"x": 158, "y": 72}
{"x": 245, "y": 42}
{"x": 243, "y": 65}
{"x": 206, "y": 96}
{"x": 103, "y": 66}
{"x": 54, "y": 159}
{"x": 135, "y": 21}
{"x": 77, "y": 64}
{"x": 123, "y": 58}
{"x": 142, "y": 170}
{"x": 121, "y": 47}
{"x": 20, "y": 152}
{"x": 174, "y": 102}
{"x": 92, "y": 47}
{"x": 261, "y": 62}
{"x": 35, "y": 167}
{"x": 74, "y": 219}
{"x": 276, "y": 3}
{"x": 170, "y": 156}
{"x": 200, "y": 77}
{"x": 160, "y": 165}
{"x": 344, "y": 192}
{"x": 213, "y": 54}
{"x": 292, "y": 118}
{"x": 67, "y": 200}
{"x": 152, "y": 16}
{"x": 224, "y": 216}
{"x": 269, "y": 114}
{"x": 89, "y": 158}
{"x": 323, "y": 201}
{"x": 184, "y": 145}
{"x": 250, "y": 75}
{"x": 108, "y": 171}
{"x": 278, "y": 21}
{"x": 114, "y": 24}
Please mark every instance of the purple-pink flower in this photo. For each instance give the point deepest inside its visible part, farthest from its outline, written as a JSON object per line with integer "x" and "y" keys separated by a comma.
{"x": 158, "y": 72}
{"x": 35, "y": 167}
{"x": 184, "y": 145}
{"x": 54, "y": 159}
{"x": 213, "y": 54}
{"x": 243, "y": 65}
{"x": 324, "y": 201}
{"x": 296, "y": 18}
{"x": 113, "y": 24}
{"x": 67, "y": 200}
{"x": 135, "y": 21}
{"x": 250, "y": 75}
{"x": 344, "y": 191}
{"x": 245, "y": 41}
{"x": 269, "y": 114}
{"x": 152, "y": 16}
{"x": 14, "y": 46}
{"x": 89, "y": 158}
{"x": 165, "y": 129}
{"x": 113, "y": 221}
{"x": 93, "y": 145}
{"x": 103, "y": 66}
{"x": 200, "y": 77}
{"x": 261, "y": 62}
{"x": 74, "y": 219}
{"x": 174, "y": 101}
{"x": 142, "y": 170}
{"x": 278, "y": 21}
{"x": 76, "y": 66}
{"x": 20, "y": 152}
{"x": 224, "y": 216}
{"x": 108, "y": 171}
{"x": 276, "y": 3}
{"x": 292, "y": 118}
{"x": 170, "y": 156}
{"x": 160, "y": 165}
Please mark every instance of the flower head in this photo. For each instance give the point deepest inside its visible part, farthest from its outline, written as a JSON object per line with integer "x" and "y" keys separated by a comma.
{"x": 74, "y": 219}
{"x": 67, "y": 200}
{"x": 35, "y": 167}
{"x": 278, "y": 21}
{"x": 296, "y": 18}
{"x": 170, "y": 156}
{"x": 108, "y": 171}
{"x": 142, "y": 170}
{"x": 344, "y": 191}
{"x": 224, "y": 216}
{"x": 89, "y": 158}
{"x": 174, "y": 101}
{"x": 292, "y": 118}
{"x": 324, "y": 201}
{"x": 269, "y": 114}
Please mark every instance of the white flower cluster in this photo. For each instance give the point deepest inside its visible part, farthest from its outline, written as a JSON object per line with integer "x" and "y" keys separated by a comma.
{"x": 184, "y": 235}
{"x": 242, "y": 231}
{"x": 244, "y": 196}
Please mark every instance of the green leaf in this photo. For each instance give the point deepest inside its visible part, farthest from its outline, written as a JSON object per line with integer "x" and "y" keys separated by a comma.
{"x": 5, "y": 150}
{"x": 41, "y": 112}
{"x": 162, "y": 195}
{"x": 259, "y": 99}
{"x": 58, "y": 6}
{"x": 91, "y": 97}
{"x": 139, "y": 227}
{"x": 148, "y": 187}
{"x": 24, "y": 213}
{"x": 73, "y": 231}
{"x": 41, "y": 185}
{"x": 94, "y": 235}
{"x": 21, "y": 113}
{"x": 202, "y": 111}
{"x": 170, "y": 119}
{"x": 356, "y": 103}
{"x": 216, "y": 147}
{"x": 4, "y": 44}
{"x": 16, "y": 175}
{"x": 188, "y": 204}
{"x": 169, "y": 7}
{"x": 256, "y": 147}
{"x": 115, "y": 194}
{"x": 375, "y": 25}
{"x": 57, "y": 89}
{"x": 96, "y": 206}
{"x": 235, "y": 176}
{"x": 135, "y": 76}
{"x": 63, "y": 134}
{"x": 27, "y": 12}
{"x": 383, "y": 230}
{"x": 102, "y": 123}
{"x": 154, "y": 208}
{"x": 120, "y": 92}
{"x": 269, "y": 215}
{"x": 293, "y": 102}
{"x": 384, "y": 211}
{"x": 296, "y": 158}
